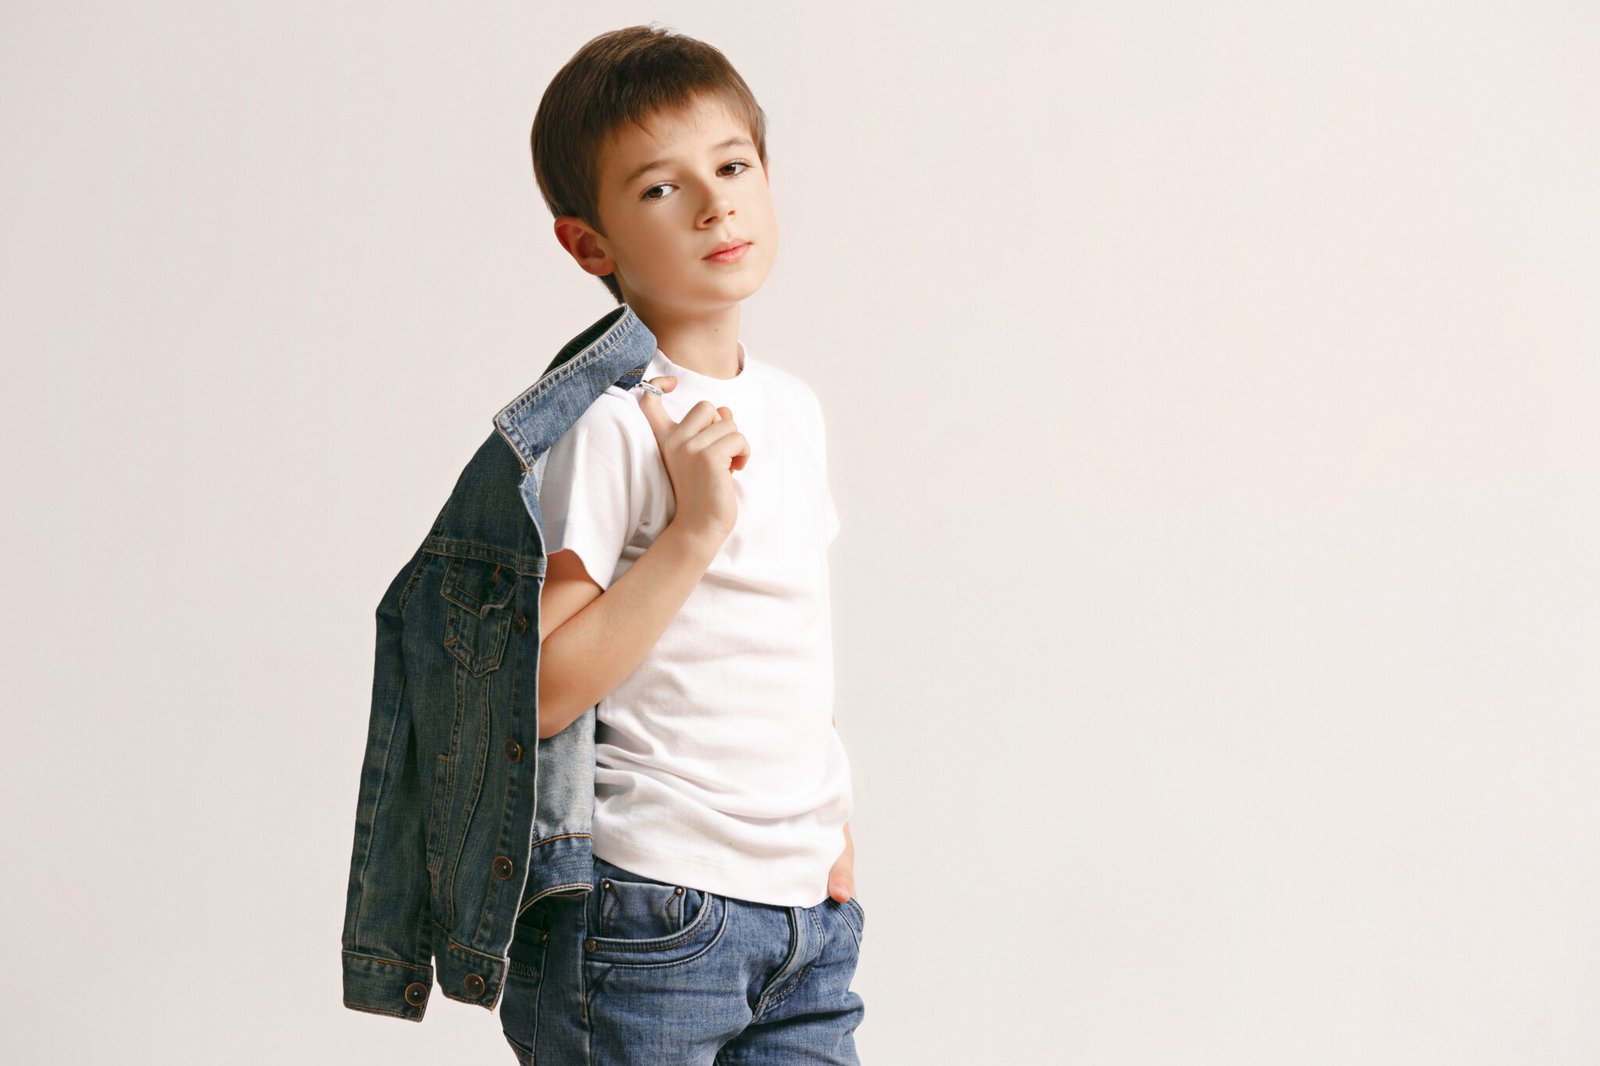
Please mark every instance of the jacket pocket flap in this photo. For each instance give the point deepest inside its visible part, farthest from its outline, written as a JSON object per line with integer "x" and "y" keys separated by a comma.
{"x": 478, "y": 586}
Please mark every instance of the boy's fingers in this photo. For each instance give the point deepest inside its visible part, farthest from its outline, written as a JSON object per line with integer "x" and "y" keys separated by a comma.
{"x": 740, "y": 458}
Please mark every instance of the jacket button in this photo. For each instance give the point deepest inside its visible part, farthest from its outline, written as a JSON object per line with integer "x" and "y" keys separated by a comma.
{"x": 502, "y": 867}
{"x": 416, "y": 993}
{"x": 475, "y": 985}
{"x": 519, "y": 622}
{"x": 513, "y": 751}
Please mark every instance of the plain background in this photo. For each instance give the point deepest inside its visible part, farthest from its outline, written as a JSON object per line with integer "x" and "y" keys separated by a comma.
{"x": 1212, "y": 398}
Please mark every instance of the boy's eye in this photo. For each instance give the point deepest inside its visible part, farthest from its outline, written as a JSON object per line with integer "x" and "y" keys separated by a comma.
{"x": 667, "y": 184}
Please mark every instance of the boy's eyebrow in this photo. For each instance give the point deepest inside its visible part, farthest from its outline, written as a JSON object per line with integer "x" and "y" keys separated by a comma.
{"x": 732, "y": 142}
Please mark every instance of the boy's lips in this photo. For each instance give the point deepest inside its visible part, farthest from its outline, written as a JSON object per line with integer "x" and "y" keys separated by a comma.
{"x": 728, "y": 251}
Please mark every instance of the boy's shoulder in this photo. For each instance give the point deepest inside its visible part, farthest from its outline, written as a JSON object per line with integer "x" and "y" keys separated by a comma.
{"x": 615, "y": 412}
{"x": 793, "y": 383}
{"x": 797, "y": 395}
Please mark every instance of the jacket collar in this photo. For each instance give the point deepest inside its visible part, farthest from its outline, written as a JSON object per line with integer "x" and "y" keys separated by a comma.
{"x": 616, "y": 350}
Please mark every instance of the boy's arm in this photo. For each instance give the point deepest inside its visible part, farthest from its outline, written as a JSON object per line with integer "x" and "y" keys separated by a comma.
{"x": 595, "y": 639}
{"x": 590, "y": 640}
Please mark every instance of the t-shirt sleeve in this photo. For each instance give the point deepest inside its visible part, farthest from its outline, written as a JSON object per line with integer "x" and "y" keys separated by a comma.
{"x": 830, "y": 517}
{"x": 589, "y": 496}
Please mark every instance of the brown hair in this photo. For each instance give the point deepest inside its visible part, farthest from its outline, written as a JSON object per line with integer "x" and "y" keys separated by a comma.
{"x": 621, "y": 77}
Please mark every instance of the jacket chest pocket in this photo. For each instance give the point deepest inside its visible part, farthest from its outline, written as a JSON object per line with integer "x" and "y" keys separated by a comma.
{"x": 478, "y": 615}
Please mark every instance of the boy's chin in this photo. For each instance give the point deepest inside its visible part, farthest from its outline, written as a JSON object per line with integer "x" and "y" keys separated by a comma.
{"x": 707, "y": 300}
{"x": 746, "y": 287}
{"x": 717, "y": 300}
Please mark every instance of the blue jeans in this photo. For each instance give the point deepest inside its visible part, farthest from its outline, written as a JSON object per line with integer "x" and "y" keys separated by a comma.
{"x": 642, "y": 971}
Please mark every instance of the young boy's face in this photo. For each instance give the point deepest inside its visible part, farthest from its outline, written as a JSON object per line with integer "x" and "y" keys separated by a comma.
{"x": 669, "y": 195}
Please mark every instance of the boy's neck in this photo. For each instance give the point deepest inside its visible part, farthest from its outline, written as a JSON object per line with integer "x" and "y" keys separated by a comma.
{"x": 707, "y": 345}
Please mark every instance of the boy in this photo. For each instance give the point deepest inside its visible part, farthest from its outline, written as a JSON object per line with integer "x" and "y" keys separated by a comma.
{"x": 686, "y": 600}
{"x": 663, "y": 873}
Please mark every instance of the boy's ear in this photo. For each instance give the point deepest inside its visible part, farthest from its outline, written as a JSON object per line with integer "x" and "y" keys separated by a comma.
{"x": 579, "y": 242}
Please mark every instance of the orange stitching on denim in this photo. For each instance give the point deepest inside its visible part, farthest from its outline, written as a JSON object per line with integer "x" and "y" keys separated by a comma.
{"x": 387, "y": 962}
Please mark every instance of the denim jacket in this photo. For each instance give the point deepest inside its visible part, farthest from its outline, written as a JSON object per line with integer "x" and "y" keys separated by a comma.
{"x": 464, "y": 815}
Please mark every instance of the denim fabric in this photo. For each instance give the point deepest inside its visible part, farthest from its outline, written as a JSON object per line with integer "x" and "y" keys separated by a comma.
{"x": 463, "y": 814}
{"x": 644, "y": 971}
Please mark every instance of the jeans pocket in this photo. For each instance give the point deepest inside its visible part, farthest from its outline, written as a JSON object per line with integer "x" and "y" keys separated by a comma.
{"x": 633, "y": 919}
{"x": 519, "y": 1004}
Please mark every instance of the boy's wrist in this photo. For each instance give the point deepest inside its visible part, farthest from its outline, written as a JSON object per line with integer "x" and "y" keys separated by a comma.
{"x": 698, "y": 543}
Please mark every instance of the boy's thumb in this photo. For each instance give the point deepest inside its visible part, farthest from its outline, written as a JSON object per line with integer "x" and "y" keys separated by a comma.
{"x": 650, "y": 402}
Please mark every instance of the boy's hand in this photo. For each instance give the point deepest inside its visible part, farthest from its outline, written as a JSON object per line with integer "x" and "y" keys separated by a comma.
{"x": 701, "y": 453}
{"x": 842, "y": 878}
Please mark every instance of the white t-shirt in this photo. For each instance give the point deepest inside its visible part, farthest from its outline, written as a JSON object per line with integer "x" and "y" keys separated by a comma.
{"x": 717, "y": 763}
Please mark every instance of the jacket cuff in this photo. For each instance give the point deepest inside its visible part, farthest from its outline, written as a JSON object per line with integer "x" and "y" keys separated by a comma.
{"x": 467, "y": 975}
{"x": 386, "y": 986}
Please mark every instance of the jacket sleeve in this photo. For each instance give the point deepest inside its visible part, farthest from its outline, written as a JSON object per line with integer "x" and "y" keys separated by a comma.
{"x": 387, "y": 956}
